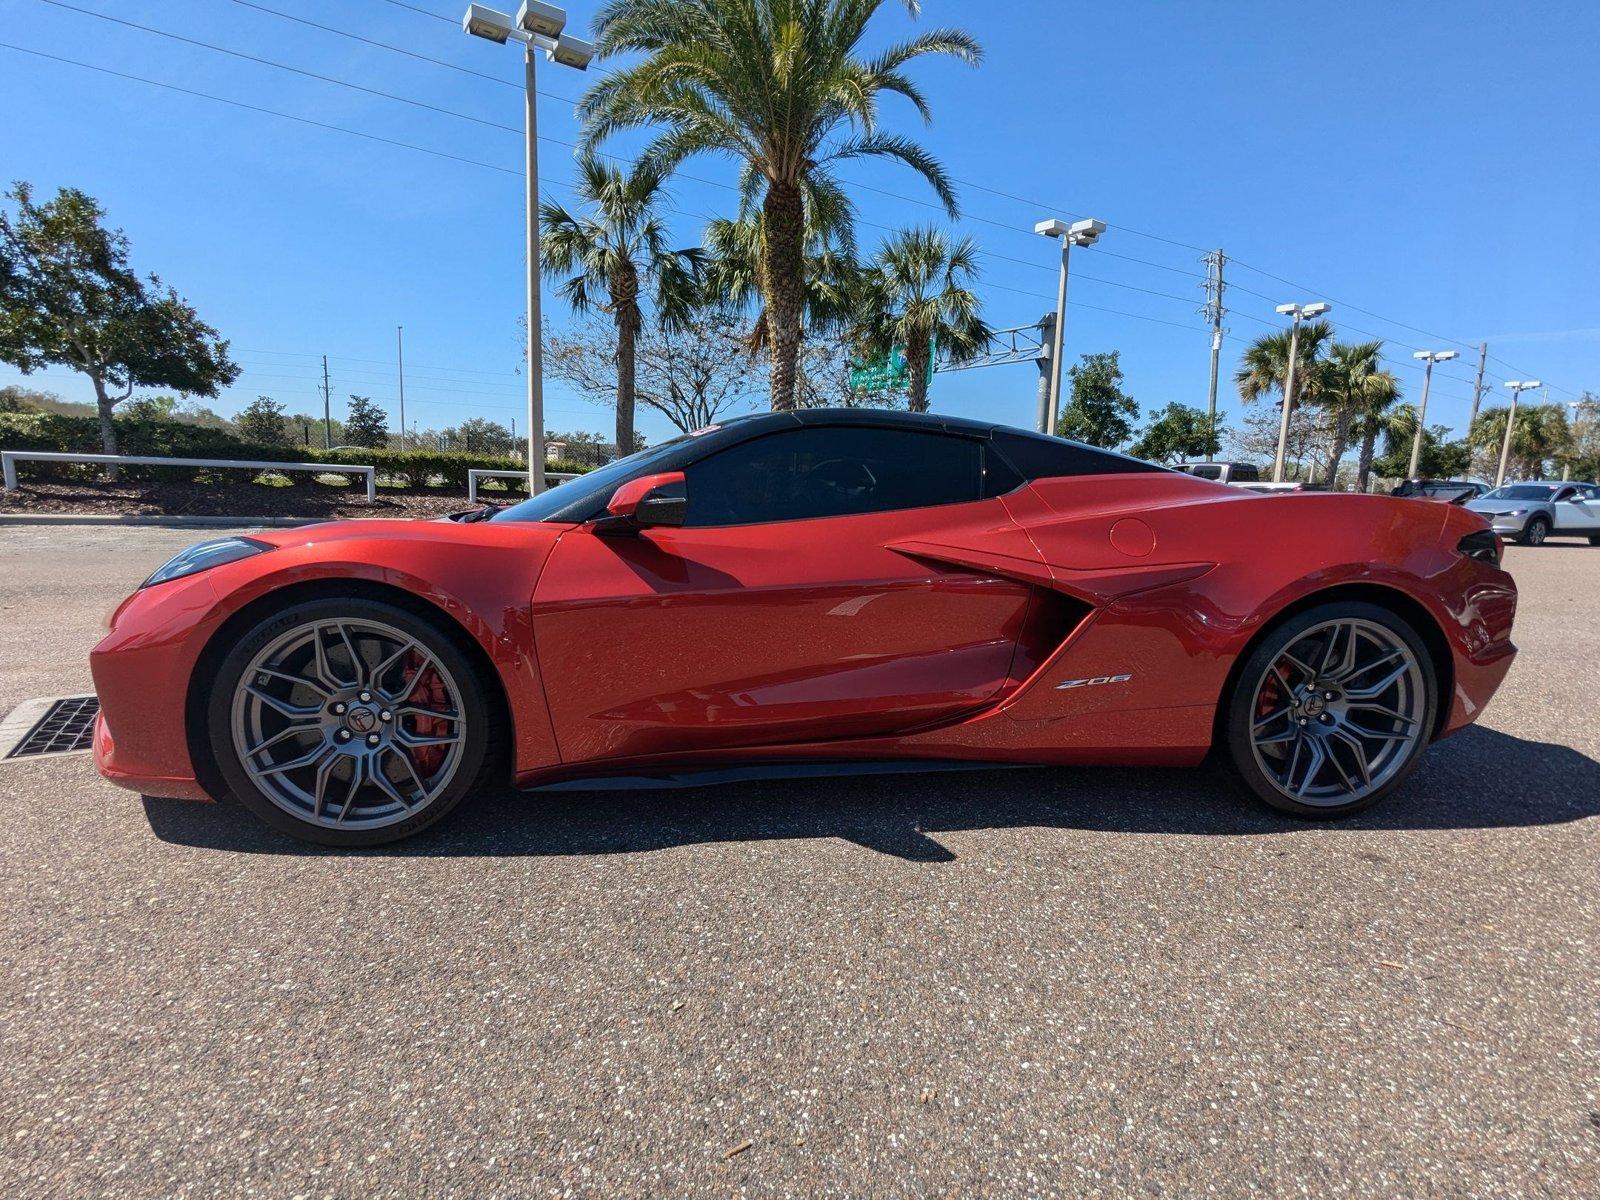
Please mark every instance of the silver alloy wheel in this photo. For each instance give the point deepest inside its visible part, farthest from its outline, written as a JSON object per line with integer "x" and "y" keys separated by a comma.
{"x": 1337, "y": 712}
{"x": 1536, "y": 532}
{"x": 348, "y": 724}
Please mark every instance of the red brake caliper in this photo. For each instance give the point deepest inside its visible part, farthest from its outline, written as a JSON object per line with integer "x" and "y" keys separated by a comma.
{"x": 427, "y": 690}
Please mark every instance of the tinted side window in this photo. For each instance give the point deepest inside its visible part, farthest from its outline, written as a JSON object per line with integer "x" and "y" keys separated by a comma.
{"x": 1040, "y": 457}
{"x": 835, "y": 471}
{"x": 1206, "y": 470}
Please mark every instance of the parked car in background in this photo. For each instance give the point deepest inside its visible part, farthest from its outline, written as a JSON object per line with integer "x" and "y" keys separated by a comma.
{"x": 1222, "y": 472}
{"x": 1451, "y": 491}
{"x": 1531, "y": 512}
{"x": 1240, "y": 475}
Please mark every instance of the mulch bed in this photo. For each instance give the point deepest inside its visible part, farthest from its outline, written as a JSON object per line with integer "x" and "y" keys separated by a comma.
{"x": 305, "y": 499}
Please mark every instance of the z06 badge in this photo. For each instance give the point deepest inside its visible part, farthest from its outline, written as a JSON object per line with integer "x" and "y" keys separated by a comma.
{"x": 1095, "y": 682}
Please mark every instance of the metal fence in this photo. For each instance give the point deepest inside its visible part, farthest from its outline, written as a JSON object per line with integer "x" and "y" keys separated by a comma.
{"x": 477, "y": 473}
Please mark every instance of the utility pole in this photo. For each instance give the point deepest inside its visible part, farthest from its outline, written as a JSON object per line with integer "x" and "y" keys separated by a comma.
{"x": 1517, "y": 386}
{"x": 1047, "y": 344}
{"x": 400, "y": 362}
{"x": 1080, "y": 233}
{"x": 1214, "y": 312}
{"x": 327, "y": 408}
{"x": 1430, "y": 357}
{"x": 1296, "y": 313}
{"x": 537, "y": 26}
{"x": 1477, "y": 387}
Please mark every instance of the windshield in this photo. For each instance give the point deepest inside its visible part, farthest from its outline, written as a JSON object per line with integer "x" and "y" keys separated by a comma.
{"x": 562, "y": 500}
{"x": 1521, "y": 491}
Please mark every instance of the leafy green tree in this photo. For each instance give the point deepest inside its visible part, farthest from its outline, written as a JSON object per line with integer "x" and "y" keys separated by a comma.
{"x": 306, "y": 429}
{"x": 366, "y": 424}
{"x": 479, "y": 435}
{"x": 1099, "y": 412}
{"x": 1583, "y": 454}
{"x": 151, "y": 408}
{"x": 918, "y": 293}
{"x": 1355, "y": 390}
{"x": 616, "y": 253}
{"x": 1441, "y": 458}
{"x": 1178, "y": 433}
{"x": 263, "y": 421}
{"x": 68, "y": 297}
{"x": 781, "y": 85}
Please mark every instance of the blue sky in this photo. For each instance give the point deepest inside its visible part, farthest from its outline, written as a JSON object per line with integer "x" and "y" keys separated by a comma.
{"x": 1425, "y": 167}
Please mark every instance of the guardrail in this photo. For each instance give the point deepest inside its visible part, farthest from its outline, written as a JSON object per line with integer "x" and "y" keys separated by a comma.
{"x": 10, "y": 458}
{"x": 477, "y": 473}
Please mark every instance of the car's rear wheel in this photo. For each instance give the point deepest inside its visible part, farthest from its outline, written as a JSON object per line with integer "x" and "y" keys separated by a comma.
{"x": 349, "y": 722}
{"x": 1332, "y": 709}
{"x": 1534, "y": 534}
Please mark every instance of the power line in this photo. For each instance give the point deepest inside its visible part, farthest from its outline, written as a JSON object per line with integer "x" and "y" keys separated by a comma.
{"x": 356, "y": 37}
{"x": 556, "y": 141}
{"x": 272, "y": 112}
{"x": 267, "y": 62}
{"x": 1036, "y": 203}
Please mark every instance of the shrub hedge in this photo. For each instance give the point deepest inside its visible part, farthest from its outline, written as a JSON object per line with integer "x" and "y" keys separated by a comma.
{"x": 81, "y": 435}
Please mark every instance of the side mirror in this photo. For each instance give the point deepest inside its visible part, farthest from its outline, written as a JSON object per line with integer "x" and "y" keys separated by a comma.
{"x": 646, "y": 502}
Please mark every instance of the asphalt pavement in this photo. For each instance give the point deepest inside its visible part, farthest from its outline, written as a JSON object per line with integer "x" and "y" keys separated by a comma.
{"x": 977, "y": 983}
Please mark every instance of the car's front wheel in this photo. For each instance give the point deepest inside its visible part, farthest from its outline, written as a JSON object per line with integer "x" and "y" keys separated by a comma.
{"x": 349, "y": 722}
{"x": 1535, "y": 532}
{"x": 1332, "y": 709}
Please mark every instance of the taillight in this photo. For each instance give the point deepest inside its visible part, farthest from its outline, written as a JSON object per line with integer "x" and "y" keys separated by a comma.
{"x": 1484, "y": 545}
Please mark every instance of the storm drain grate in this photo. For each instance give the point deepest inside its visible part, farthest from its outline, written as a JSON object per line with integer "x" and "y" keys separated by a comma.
{"x": 57, "y": 726}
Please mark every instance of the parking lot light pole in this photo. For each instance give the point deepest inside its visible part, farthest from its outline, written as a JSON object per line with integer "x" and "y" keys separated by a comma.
{"x": 1079, "y": 233}
{"x": 1430, "y": 357}
{"x": 1517, "y": 386}
{"x": 537, "y": 26}
{"x": 1295, "y": 313}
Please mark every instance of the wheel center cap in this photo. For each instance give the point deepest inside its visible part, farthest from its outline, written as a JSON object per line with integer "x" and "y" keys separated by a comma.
{"x": 361, "y": 720}
{"x": 1313, "y": 705}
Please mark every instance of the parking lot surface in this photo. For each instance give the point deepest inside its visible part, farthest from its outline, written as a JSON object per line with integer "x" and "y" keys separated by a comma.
{"x": 976, "y": 983}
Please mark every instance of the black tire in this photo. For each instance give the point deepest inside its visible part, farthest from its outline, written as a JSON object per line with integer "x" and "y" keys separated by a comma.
{"x": 482, "y": 736}
{"x": 1535, "y": 532}
{"x": 1594, "y": 539}
{"x": 1242, "y": 706}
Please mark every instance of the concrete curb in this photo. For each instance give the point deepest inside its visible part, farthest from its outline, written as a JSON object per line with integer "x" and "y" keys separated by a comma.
{"x": 195, "y": 522}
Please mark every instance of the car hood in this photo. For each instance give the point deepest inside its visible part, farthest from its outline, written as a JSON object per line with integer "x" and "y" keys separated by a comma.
{"x": 1492, "y": 508}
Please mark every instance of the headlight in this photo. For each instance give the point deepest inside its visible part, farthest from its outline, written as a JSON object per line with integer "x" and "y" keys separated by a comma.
{"x": 205, "y": 555}
{"x": 1515, "y": 512}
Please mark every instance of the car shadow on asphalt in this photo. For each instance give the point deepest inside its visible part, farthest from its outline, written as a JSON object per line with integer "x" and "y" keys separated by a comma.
{"x": 1479, "y": 779}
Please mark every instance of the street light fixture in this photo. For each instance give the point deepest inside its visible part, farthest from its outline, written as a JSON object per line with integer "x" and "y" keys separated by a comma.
{"x": 1430, "y": 357}
{"x": 1517, "y": 386}
{"x": 537, "y": 26}
{"x": 1296, "y": 313}
{"x": 1080, "y": 233}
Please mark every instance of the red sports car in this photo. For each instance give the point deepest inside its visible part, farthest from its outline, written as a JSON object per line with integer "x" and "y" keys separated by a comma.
{"x": 822, "y": 586}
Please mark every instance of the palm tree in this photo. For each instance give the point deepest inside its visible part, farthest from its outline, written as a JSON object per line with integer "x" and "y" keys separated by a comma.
{"x": 1541, "y": 433}
{"x": 1356, "y": 388}
{"x": 617, "y": 254}
{"x": 780, "y": 85}
{"x": 1265, "y": 364}
{"x": 918, "y": 296}
{"x": 832, "y": 277}
{"x": 1264, "y": 367}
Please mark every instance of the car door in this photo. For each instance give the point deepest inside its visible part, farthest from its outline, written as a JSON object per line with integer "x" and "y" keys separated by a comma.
{"x": 777, "y": 612}
{"x": 1581, "y": 512}
{"x": 1571, "y": 513}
